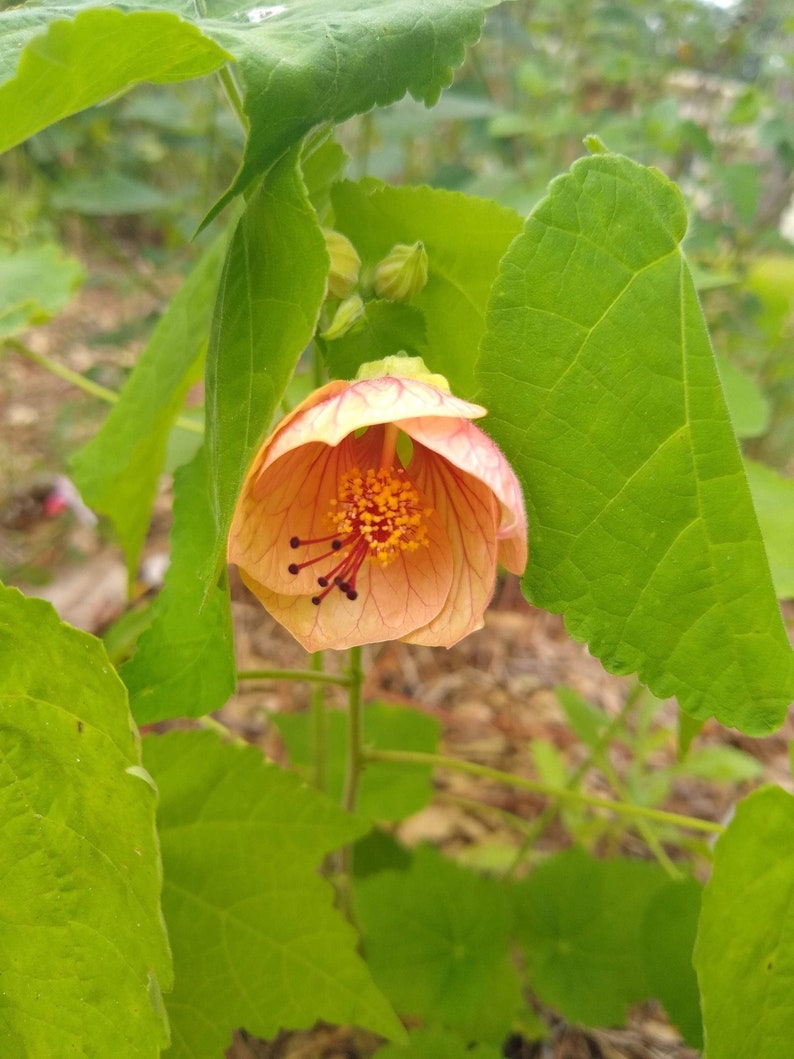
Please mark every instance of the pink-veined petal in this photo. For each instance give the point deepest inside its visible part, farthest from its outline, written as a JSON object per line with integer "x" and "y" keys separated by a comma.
{"x": 470, "y": 513}
{"x": 465, "y": 446}
{"x": 367, "y": 403}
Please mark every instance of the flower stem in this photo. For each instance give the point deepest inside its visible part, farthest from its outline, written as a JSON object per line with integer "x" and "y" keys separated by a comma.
{"x": 662, "y": 816}
{"x": 355, "y": 737}
{"x": 86, "y": 385}
{"x": 319, "y": 730}
{"x": 354, "y": 765}
{"x": 311, "y": 676}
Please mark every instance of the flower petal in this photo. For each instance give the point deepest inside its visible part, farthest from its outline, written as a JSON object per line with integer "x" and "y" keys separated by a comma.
{"x": 466, "y": 447}
{"x": 470, "y": 514}
{"x": 291, "y": 498}
{"x": 362, "y": 404}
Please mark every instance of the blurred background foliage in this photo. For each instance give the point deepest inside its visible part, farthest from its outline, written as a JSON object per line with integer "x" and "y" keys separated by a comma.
{"x": 703, "y": 90}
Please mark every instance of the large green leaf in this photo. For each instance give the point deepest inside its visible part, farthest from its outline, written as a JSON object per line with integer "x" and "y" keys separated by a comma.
{"x": 118, "y": 471}
{"x": 579, "y": 923}
{"x": 309, "y": 62}
{"x": 597, "y": 369}
{"x": 256, "y": 939}
{"x": 300, "y": 64}
{"x": 436, "y": 937}
{"x": 184, "y": 663}
{"x": 57, "y": 59}
{"x": 84, "y": 950}
{"x": 464, "y": 238}
{"x": 270, "y": 295}
{"x": 35, "y": 285}
{"x": 744, "y": 956}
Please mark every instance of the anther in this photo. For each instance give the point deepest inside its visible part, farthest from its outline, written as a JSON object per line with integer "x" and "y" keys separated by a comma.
{"x": 294, "y": 542}
{"x": 293, "y": 568}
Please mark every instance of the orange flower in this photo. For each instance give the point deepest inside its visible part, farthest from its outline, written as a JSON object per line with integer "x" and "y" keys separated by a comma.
{"x": 377, "y": 510}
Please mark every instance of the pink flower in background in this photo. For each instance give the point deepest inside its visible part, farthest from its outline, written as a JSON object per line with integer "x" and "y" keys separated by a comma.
{"x": 377, "y": 510}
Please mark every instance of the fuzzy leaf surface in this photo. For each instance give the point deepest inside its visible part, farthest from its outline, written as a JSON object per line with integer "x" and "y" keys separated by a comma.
{"x": 270, "y": 294}
{"x": 118, "y": 471}
{"x": 464, "y": 237}
{"x": 184, "y": 663}
{"x": 745, "y": 942}
{"x": 256, "y": 939}
{"x": 84, "y": 950}
{"x": 598, "y": 372}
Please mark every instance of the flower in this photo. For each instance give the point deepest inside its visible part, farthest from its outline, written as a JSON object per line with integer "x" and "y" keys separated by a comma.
{"x": 344, "y": 264}
{"x": 377, "y": 510}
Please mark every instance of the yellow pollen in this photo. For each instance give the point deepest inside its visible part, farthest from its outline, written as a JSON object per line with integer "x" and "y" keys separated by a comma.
{"x": 381, "y": 509}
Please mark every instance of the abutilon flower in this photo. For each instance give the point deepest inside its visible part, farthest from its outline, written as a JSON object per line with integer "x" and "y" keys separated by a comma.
{"x": 377, "y": 510}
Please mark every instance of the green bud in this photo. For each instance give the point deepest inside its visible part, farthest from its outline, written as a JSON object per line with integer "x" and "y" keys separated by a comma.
{"x": 402, "y": 273}
{"x": 347, "y": 315}
{"x": 345, "y": 263}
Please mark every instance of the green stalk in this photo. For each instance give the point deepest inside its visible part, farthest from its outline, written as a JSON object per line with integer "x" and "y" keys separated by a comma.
{"x": 354, "y": 765}
{"x": 319, "y": 729}
{"x": 662, "y": 816}
{"x": 311, "y": 676}
{"x": 86, "y": 385}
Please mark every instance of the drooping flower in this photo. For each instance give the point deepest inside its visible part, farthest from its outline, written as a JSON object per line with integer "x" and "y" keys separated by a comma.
{"x": 377, "y": 510}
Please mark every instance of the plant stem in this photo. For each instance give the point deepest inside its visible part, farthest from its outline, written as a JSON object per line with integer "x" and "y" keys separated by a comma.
{"x": 233, "y": 94}
{"x": 319, "y": 729}
{"x": 355, "y": 737}
{"x": 212, "y": 725}
{"x": 662, "y": 816}
{"x": 86, "y": 385}
{"x": 311, "y": 676}
{"x": 354, "y": 765}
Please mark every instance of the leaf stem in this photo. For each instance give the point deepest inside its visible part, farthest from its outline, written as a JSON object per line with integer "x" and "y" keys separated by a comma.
{"x": 82, "y": 383}
{"x": 354, "y": 765}
{"x": 662, "y": 816}
{"x": 311, "y": 676}
{"x": 319, "y": 728}
{"x": 355, "y": 737}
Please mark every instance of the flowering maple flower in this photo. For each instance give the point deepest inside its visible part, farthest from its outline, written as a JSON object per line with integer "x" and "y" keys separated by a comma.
{"x": 377, "y": 510}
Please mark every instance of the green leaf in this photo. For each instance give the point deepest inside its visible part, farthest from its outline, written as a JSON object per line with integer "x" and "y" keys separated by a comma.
{"x": 578, "y": 923}
{"x": 388, "y": 328}
{"x": 434, "y": 935}
{"x": 305, "y": 63}
{"x": 667, "y": 938}
{"x": 256, "y": 939}
{"x": 464, "y": 238}
{"x": 184, "y": 664}
{"x": 35, "y": 285}
{"x": 435, "y": 1042}
{"x": 112, "y": 194}
{"x": 773, "y": 497}
{"x": 744, "y": 956}
{"x": 118, "y": 471}
{"x": 84, "y": 950}
{"x": 598, "y": 372}
{"x": 60, "y": 60}
{"x": 720, "y": 763}
{"x": 388, "y": 791}
{"x": 587, "y": 720}
{"x": 270, "y": 295}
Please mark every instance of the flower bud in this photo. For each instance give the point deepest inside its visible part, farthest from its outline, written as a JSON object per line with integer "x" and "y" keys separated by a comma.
{"x": 347, "y": 315}
{"x": 402, "y": 273}
{"x": 345, "y": 263}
